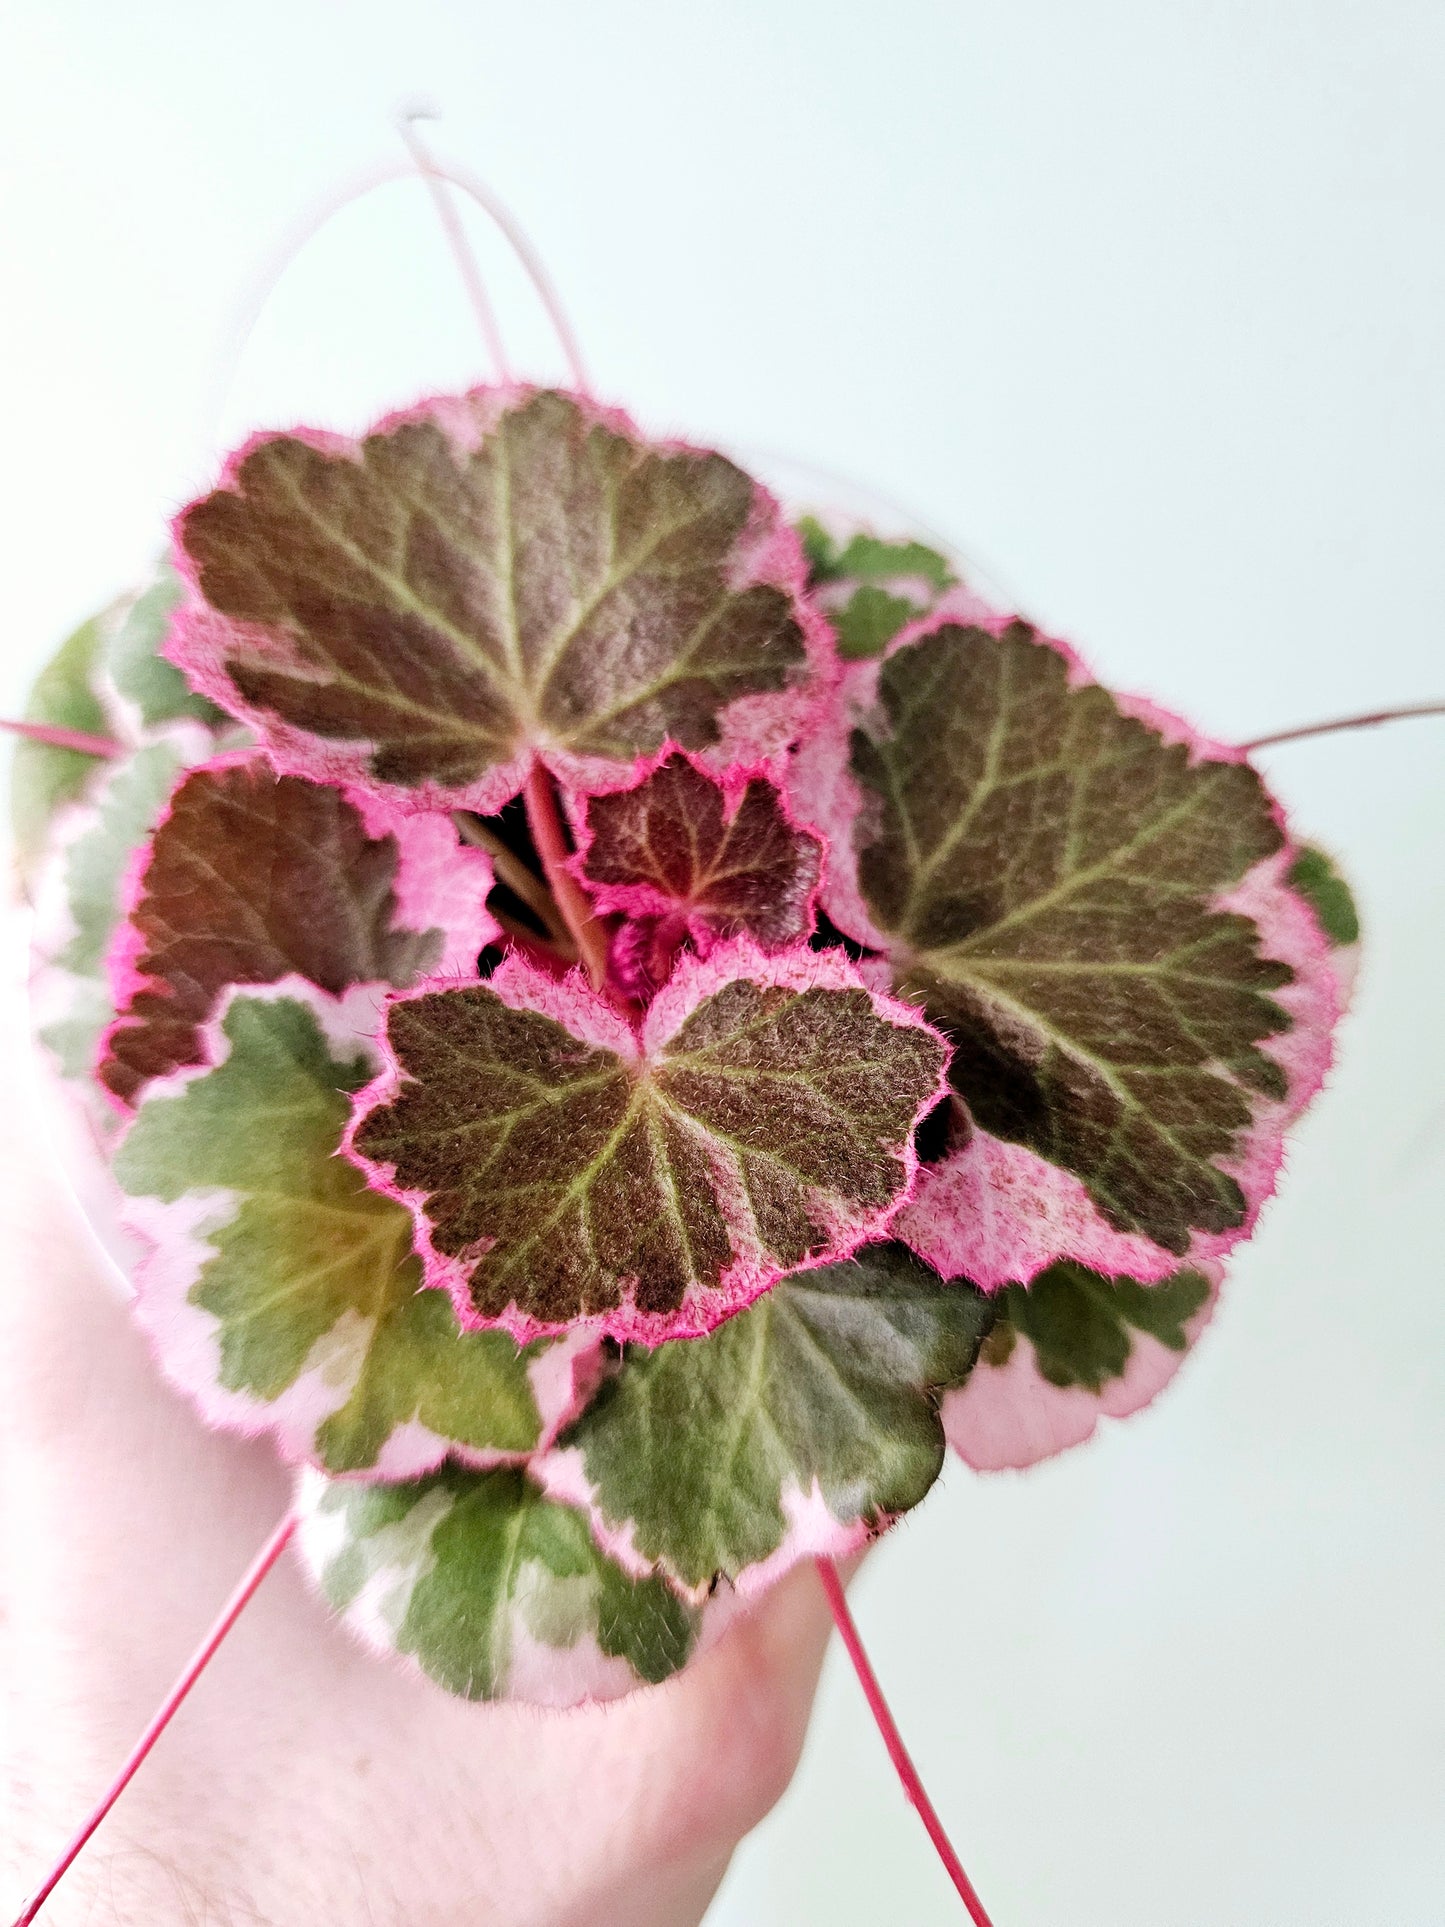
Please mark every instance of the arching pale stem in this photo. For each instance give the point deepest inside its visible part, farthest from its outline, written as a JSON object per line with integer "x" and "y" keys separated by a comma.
{"x": 897, "y": 1752}
{"x": 466, "y": 262}
{"x": 195, "y": 1666}
{"x": 304, "y": 230}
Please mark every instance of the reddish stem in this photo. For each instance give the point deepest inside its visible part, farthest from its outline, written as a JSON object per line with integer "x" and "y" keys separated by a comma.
{"x": 544, "y": 820}
{"x": 897, "y": 1752}
{"x": 59, "y": 738}
{"x": 195, "y": 1666}
{"x": 1400, "y": 715}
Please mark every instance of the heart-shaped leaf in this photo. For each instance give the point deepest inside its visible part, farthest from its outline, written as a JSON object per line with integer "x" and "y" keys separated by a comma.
{"x": 491, "y": 1589}
{"x": 563, "y": 1169}
{"x": 1090, "y": 905}
{"x": 802, "y": 1426}
{"x": 251, "y": 878}
{"x": 488, "y": 578}
{"x": 282, "y": 1293}
{"x": 1068, "y": 1350}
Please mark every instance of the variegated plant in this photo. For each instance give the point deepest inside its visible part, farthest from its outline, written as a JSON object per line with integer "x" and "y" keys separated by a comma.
{"x": 624, "y": 1024}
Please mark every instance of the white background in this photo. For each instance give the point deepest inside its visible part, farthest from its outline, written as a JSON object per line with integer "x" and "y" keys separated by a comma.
{"x": 1144, "y": 305}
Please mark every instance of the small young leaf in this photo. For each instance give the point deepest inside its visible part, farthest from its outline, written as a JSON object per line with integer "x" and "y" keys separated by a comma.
{"x": 490, "y": 577}
{"x": 251, "y": 878}
{"x": 1071, "y": 1348}
{"x": 493, "y": 1590}
{"x": 1046, "y": 871}
{"x": 280, "y": 1291}
{"x": 561, "y": 1169}
{"x": 681, "y": 853}
{"x": 803, "y": 1425}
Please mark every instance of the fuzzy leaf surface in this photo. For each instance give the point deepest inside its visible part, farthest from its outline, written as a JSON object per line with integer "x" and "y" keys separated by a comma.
{"x": 282, "y": 1293}
{"x": 561, "y": 1169}
{"x": 1071, "y": 1348}
{"x": 1043, "y": 870}
{"x": 498, "y": 574}
{"x": 801, "y": 1426}
{"x": 492, "y": 1589}
{"x": 251, "y": 878}
{"x": 702, "y": 856}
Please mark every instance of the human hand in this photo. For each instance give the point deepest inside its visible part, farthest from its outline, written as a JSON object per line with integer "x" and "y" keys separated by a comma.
{"x": 303, "y": 1780}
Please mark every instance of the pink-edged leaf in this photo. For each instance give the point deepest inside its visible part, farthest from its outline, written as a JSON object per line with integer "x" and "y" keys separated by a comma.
{"x": 1071, "y": 1349}
{"x": 997, "y": 1212}
{"x": 1091, "y": 902}
{"x": 281, "y": 1293}
{"x": 250, "y": 878}
{"x": 488, "y": 578}
{"x": 803, "y": 1426}
{"x": 563, "y": 1168}
{"x": 493, "y": 1590}
{"x": 683, "y": 854}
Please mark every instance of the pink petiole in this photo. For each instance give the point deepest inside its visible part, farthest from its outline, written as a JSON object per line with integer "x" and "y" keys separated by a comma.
{"x": 161, "y": 1719}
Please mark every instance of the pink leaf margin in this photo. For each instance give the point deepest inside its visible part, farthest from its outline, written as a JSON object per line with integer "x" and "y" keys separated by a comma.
{"x": 572, "y": 1003}
{"x": 999, "y": 1214}
{"x": 826, "y": 795}
{"x": 757, "y": 729}
{"x": 440, "y": 884}
{"x": 1009, "y": 1417}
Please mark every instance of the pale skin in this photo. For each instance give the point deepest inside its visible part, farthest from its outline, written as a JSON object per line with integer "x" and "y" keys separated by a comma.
{"x": 304, "y": 1780}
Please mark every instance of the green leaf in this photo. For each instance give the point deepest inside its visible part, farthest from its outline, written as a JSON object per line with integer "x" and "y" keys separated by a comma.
{"x": 42, "y": 777}
{"x": 487, "y": 578}
{"x": 303, "y": 1309}
{"x": 870, "y": 558}
{"x": 1079, "y": 1324}
{"x": 492, "y": 1589}
{"x": 1314, "y": 876}
{"x": 90, "y": 876}
{"x": 138, "y": 669}
{"x": 560, "y": 1172}
{"x": 713, "y": 1453}
{"x": 869, "y": 620}
{"x": 1041, "y": 867}
{"x": 1071, "y": 1349}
